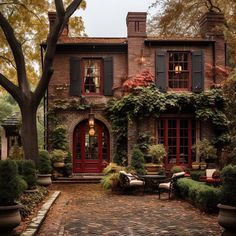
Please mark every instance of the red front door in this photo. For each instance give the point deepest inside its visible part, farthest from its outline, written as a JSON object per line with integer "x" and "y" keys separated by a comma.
{"x": 90, "y": 153}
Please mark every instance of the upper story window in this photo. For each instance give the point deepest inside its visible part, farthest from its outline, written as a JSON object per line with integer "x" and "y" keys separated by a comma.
{"x": 92, "y": 76}
{"x": 179, "y": 70}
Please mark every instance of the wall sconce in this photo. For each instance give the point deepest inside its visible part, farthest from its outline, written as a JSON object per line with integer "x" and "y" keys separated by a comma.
{"x": 91, "y": 120}
{"x": 142, "y": 58}
{"x": 178, "y": 69}
{"x": 91, "y": 123}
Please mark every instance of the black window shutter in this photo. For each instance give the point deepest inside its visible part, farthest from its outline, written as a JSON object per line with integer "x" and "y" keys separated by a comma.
{"x": 161, "y": 71}
{"x": 197, "y": 71}
{"x": 75, "y": 76}
{"x": 108, "y": 76}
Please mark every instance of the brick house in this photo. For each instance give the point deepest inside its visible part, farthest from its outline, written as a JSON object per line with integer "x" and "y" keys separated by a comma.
{"x": 90, "y": 71}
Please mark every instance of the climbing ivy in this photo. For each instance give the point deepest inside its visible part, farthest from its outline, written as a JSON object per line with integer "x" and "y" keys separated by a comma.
{"x": 149, "y": 101}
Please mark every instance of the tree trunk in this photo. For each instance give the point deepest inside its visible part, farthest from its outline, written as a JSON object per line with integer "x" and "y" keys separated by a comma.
{"x": 29, "y": 133}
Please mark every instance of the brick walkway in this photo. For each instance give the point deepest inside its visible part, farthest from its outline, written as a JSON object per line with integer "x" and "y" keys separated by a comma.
{"x": 86, "y": 210}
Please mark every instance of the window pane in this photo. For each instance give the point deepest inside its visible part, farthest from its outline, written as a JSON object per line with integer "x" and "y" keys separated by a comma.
{"x": 178, "y": 70}
{"x": 92, "y": 75}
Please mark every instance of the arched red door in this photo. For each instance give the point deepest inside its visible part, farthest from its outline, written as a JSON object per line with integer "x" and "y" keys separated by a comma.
{"x": 90, "y": 153}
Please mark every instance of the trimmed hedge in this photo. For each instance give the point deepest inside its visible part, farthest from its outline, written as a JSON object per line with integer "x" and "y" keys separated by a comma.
{"x": 196, "y": 174}
{"x": 201, "y": 195}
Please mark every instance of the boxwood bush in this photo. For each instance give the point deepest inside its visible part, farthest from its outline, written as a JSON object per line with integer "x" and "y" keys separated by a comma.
{"x": 201, "y": 195}
{"x": 196, "y": 174}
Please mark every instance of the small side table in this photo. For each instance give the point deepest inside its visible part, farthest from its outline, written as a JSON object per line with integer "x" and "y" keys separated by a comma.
{"x": 152, "y": 181}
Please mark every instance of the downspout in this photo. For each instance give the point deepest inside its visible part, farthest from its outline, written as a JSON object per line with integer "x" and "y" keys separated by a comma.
{"x": 214, "y": 61}
{"x": 45, "y": 105}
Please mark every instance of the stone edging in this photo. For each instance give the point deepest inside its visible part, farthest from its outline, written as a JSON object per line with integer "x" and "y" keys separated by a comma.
{"x": 36, "y": 222}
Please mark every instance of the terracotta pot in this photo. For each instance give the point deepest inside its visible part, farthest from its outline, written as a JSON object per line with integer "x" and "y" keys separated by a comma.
{"x": 44, "y": 179}
{"x": 9, "y": 217}
{"x": 153, "y": 168}
{"x": 59, "y": 164}
{"x": 195, "y": 167}
{"x": 227, "y": 219}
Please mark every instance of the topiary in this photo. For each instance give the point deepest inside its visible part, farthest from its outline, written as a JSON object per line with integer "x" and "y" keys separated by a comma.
{"x": 137, "y": 161}
{"x": 11, "y": 183}
{"x": 45, "y": 166}
{"x": 27, "y": 169}
{"x": 228, "y": 188}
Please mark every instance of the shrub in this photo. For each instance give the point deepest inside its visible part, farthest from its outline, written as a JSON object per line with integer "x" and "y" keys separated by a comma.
{"x": 110, "y": 180}
{"x": 137, "y": 161}
{"x": 203, "y": 196}
{"x": 176, "y": 169}
{"x": 45, "y": 166}
{"x": 67, "y": 169}
{"x": 196, "y": 174}
{"x": 158, "y": 153}
{"x": 27, "y": 169}
{"x": 59, "y": 140}
{"x": 229, "y": 185}
{"x": 58, "y": 155}
{"x": 11, "y": 183}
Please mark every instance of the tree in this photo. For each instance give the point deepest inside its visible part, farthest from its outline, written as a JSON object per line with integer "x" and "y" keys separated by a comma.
{"x": 27, "y": 20}
{"x": 179, "y": 17}
{"x": 27, "y": 99}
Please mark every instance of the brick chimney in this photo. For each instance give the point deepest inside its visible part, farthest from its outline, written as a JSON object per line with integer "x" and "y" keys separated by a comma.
{"x": 211, "y": 27}
{"x": 211, "y": 23}
{"x": 136, "y": 24}
{"x": 52, "y": 15}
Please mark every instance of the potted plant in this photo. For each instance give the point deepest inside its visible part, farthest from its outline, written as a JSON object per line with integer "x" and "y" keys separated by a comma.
{"x": 227, "y": 206}
{"x": 57, "y": 157}
{"x": 11, "y": 187}
{"x": 205, "y": 151}
{"x": 158, "y": 153}
{"x": 195, "y": 165}
{"x": 45, "y": 169}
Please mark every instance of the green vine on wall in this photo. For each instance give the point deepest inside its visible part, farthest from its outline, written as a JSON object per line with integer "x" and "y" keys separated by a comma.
{"x": 148, "y": 101}
{"x": 74, "y": 104}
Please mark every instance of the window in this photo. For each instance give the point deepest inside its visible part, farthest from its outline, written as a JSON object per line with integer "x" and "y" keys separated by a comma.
{"x": 179, "y": 70}
{"x": 178, "y": 136}
{"x": 91, "y": 69}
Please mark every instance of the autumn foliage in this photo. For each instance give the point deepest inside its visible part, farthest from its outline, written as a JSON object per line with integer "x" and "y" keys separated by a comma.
{"x": 144, "y": 79}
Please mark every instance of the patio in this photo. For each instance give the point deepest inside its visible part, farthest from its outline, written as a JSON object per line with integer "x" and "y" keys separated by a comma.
{"x": 86, "y": 209}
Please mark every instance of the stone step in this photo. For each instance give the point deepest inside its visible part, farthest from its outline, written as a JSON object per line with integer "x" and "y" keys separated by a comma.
{"x": 79, "y": 179}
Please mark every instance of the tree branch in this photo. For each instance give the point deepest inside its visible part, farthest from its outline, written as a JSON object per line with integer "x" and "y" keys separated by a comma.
{"x": 61, "y": 20}
{"x": 11, "y": 88}
{"x": 17, "y": 53}
{"x": 9, "y": 61}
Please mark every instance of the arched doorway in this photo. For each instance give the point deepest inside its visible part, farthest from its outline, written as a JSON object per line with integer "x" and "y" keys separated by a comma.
{"x": 90, "y": 153}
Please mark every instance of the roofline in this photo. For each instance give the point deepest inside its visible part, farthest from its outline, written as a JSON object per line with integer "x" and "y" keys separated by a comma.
{"x": 155, "y": 42}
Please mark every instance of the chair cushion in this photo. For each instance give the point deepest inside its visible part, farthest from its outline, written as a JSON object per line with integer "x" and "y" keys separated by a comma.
{"x": 209, "y": 172}
{"x": 179, "y": 174}
{"x": 164, "y": 185}
{"x": 136, "y": 182}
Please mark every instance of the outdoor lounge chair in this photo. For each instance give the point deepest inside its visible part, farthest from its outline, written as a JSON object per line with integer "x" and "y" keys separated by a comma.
{"x": 212, "y": 177}
{"x": 128, "y": 181}
{"x": 168, "y": 184}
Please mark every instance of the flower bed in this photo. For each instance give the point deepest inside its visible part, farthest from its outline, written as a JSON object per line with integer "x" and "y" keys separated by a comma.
{"x": 201, "y": 195}
{"x": 30, "y": 201}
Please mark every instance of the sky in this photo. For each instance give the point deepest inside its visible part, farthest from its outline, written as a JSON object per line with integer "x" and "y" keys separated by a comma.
{"x": 107, "y": 18}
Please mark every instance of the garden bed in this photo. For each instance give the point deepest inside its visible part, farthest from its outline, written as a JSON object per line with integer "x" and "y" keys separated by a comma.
{"x": 31, "y": 202}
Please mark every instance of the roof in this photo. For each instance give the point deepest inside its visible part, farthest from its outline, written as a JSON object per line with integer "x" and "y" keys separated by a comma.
{"x": 98, "y": 40}
{"x": 12, "y": 120}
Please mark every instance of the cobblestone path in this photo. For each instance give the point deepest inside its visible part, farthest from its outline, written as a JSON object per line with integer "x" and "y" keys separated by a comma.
{"x": 86, "y": 210}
